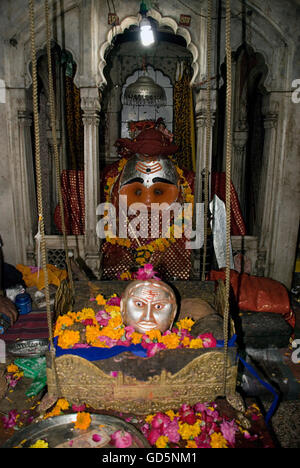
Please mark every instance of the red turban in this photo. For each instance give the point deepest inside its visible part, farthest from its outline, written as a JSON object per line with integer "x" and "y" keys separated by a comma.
{"x": 150, "y": 141}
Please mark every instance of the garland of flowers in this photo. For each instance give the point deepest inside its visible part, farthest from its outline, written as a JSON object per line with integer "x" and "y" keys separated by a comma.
{"x": 176, "y": 230}
{"x": 105, "y": 329}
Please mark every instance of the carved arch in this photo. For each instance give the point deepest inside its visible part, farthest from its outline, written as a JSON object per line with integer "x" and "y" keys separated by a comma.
{"x": 134, "y": 20}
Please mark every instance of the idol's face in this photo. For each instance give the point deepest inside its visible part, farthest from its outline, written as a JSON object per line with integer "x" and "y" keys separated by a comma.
{"x": 149, "y": 306}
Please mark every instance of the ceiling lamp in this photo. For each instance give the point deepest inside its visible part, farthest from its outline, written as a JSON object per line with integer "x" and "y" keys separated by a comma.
{"x": 146, "y": 32}
{"x": 145, "y": 92}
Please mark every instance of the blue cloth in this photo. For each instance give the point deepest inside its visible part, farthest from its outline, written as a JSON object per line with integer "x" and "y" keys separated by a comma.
{"x": 96, "y": 354}
{"x": 267, "y": 386}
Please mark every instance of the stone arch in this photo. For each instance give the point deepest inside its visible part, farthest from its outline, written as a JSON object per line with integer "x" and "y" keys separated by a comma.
{"x": 134, "y": 20}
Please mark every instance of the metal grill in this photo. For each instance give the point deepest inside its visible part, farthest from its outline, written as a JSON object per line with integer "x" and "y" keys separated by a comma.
{"x": 57, "y": 257}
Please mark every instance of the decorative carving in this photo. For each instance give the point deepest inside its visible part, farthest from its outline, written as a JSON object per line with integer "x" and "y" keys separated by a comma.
{"x": 134, "y": 20}
{"x": 270, "y": 120}
{"x": 200, "y": 380}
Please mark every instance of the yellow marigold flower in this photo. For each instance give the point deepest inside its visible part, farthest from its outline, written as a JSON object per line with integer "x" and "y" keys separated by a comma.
{"x": 171, "y": 341}
{"x": 40, "y": 444}
{"x": 116, "y": 321}
{"x": 68, "y": 339}
{"x": 126, "y": 275}
{"x": 85, "y": 313}
{"x": 113, "y": 333}
{"x": 185, "y": 323}
{"x": 91, "y": 333}
{"x": 63, "y": 321}
{"x": 197, "y": 343}
{"x": 83, "y": 420}
{"x": 113, "y": 311}
{"x": 186, "y": 342}
{"x": 218, "y": 441}
{"x": 154, "y": 335}
{"x": 100, "y": 300}
{"x": 188, "y": 431}
{"x": 162, "y": 442}
{"x": 191, "y": 444}
{"x": 55, "y": 412}
{"x": 136, "y": 338}
{"x": 149, "y": 418}
{"x": 63, "y": 404}
{"x": 12, "y": 368}
{"x": 171, "y": 414}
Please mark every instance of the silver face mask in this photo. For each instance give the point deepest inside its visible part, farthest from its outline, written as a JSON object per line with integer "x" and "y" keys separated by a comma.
{"x": 149, "y": 171}
{"x": 148, "y": 305}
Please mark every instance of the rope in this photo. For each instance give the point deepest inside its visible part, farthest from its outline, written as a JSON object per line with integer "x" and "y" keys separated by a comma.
{"x": 208, "y": 135}
{"x": 228, "y": 177}
{"x": 55, "y": 146}
{"x": 38, "y": 173}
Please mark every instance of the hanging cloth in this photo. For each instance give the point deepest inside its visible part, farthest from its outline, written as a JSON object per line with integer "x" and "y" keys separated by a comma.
{"x": 184, "y": 129}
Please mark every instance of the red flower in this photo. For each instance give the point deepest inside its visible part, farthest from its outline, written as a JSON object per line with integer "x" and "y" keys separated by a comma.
{"x": 187, "y": 415}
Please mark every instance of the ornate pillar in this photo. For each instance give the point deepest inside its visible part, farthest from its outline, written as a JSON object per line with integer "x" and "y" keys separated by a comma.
{"x": 269, "y": 176}
{"x": 201, "y": 133}
{"x": 90, "y": 104}
{"x": 27, "y": 188}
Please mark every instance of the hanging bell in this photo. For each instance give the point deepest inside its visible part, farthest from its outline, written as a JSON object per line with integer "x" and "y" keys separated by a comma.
{"x": 144, "y": 92}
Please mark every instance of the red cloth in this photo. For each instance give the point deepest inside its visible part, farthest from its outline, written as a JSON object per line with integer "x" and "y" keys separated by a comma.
{"x": 72, "y": 187}
{"x": 149, "y": 141}
{"x": 258, "y": 294}
{"x": 218, "y": 187}
{"x": 28, "y": 327}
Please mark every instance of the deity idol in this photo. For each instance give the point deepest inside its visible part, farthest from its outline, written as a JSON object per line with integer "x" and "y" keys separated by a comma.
{"x": 147, "y": 175}
{"x": 148, "y": 305}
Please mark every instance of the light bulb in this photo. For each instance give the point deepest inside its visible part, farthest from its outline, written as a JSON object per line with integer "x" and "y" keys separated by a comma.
{"x": 146, "y": 33}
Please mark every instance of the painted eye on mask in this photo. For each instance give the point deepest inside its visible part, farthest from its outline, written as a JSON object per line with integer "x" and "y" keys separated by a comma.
{"x": 159, "y": 306}
{"x": 139, "y": 304}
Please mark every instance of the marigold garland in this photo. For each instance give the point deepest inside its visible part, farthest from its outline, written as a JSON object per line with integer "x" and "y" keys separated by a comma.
{"x": 176, "y": 230}
{"x": 105, "y": 329}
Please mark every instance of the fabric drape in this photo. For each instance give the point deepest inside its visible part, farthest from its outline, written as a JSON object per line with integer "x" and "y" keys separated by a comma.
{"x": 184, "y": 128}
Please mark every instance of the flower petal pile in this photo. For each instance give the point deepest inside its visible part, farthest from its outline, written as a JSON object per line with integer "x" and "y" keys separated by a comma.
{"x": 198, "y": 426}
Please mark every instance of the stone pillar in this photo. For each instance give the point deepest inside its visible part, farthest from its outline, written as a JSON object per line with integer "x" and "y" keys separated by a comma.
{"x": 269, "y": 176}
{"x": 201, "y": 133}
{"x": 90, "y": 104}
{"x": 27, "y": 187}
{"x": 280, "y": 220}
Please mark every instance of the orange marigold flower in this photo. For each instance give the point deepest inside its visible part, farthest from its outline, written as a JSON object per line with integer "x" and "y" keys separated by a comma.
{"x": 68, "y": 339}
{"x": 83, "y": 420}
{"x": 136, "y": 338}
{"x": 63, "y": 404}
{"x": 162, "y": 442}
{"x": 115, "y": 322}
{"x": 171, "y": 341}
{"x": 197, "y": 343}
{"x": 12, "y": 368}
{"x": 185, "y": 323}
{"x": 55, "y": 412}
{"x": 218, "y": 441}
{"x": 154, "y": 335}
{"x": 191, "y": 444}
{"x": 186, "y": 342}
{"x": 91, "y": 333}
{"x": 100, "y": 300}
